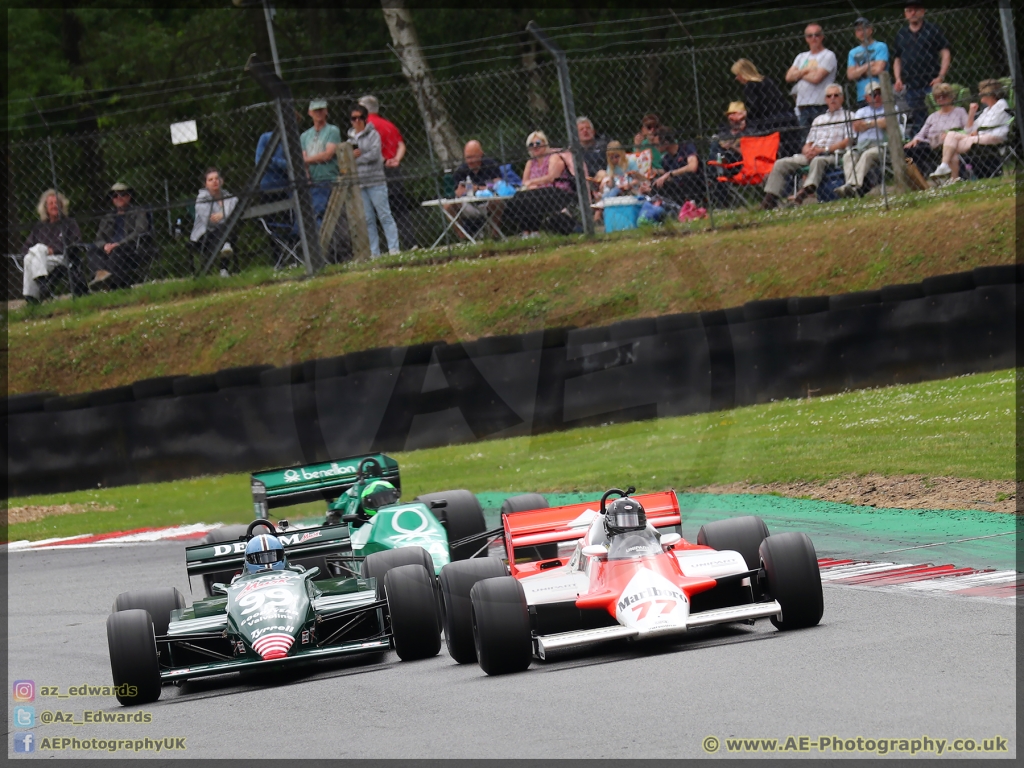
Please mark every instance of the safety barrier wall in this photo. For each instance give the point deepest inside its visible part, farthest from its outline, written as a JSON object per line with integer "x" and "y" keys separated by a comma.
{"x": 434, "y": 394}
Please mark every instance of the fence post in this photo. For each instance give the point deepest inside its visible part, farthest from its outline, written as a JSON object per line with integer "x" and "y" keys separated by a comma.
{"x": 582, "y": 189}
{"x": 893, "y": 136}
{"x": 1010, "y": 41}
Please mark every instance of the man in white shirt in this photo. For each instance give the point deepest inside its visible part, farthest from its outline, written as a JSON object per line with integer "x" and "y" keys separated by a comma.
{"x": 830, "y": 133}
{"x": 869, "y": 125}
{"x": 813, "y": 71}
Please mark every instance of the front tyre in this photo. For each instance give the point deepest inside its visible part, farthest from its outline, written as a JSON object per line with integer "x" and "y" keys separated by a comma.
{"x": 792, "y": 577}
{"x": 409, "y": 590}
{"x": 501, "y": 626}
{"x": 134, "y": 662}
{"x": 456, "y": 582}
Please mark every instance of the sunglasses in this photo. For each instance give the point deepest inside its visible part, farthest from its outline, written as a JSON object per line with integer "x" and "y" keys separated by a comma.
{"x": 121, "y": 194}
{"x": 814, "y": 34}
{"x": 535, "y": 144}
{"x": 355, "y": 118}
{"x": 833, "y": 95}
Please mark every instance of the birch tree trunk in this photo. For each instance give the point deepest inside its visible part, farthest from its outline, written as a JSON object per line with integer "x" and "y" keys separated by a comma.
{"x": 440, "y": 130}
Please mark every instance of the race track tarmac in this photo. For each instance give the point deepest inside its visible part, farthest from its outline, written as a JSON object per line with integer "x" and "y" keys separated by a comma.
{"x": 880, "y": 665}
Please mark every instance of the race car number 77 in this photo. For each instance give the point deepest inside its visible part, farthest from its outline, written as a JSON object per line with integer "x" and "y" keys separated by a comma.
{"x": 644, "y": 607}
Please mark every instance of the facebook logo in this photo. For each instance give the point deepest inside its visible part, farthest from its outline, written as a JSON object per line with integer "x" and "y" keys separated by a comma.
{"x": 24, "y": 717}
{"x": 24, "y": 742}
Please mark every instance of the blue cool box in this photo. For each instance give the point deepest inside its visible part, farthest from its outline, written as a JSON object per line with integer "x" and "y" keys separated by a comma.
{"x": 618, "y": 217}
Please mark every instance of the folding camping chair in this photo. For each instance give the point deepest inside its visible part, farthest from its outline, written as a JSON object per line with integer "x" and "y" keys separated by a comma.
{"x": 285, "y": 242}
{"x": 759, "y": 154}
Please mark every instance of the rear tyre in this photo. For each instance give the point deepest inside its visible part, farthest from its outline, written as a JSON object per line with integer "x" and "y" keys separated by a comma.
{"x": 379, "y": 563}
{"x": 134, "y": 662}
{"x": 158, "y": 603}
{"x": 462, "y": 517}
{"x": 225, "y": 533}
{"x": 501, "y": 626}
{"x": 412, "y": 606}
{"x": 792, "y": 577}
{"x": 456, "y": 582}
{"x": 739, "y": 534}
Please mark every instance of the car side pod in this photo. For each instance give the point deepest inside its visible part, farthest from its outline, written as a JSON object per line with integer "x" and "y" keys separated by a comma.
{"x": 501, "y": 626}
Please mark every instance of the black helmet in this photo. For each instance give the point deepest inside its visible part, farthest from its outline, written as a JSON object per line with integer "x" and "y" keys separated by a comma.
{"x": 624, "y": 515}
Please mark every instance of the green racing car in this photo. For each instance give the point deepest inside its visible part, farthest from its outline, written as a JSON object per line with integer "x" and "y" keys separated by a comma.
{"x": 364, "y": 508}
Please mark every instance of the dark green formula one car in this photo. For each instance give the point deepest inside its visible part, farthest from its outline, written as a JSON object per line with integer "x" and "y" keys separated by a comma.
{"x": 363, "y": 507}
{"x": 275, "y": 614}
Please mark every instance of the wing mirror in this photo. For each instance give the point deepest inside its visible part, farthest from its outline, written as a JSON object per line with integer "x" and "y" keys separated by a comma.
{"x": 669, "y": 540}
{"x": 438, "y": 503}
{"x": 218, "y": 589}
{"x": 595, "y": 550}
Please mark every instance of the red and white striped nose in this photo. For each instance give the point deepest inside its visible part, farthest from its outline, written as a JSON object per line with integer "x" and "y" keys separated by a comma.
{"x": 273, "y": 646}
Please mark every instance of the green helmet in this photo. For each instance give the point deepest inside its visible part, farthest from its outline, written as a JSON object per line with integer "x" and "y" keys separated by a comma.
{"x": 377, "y": 494}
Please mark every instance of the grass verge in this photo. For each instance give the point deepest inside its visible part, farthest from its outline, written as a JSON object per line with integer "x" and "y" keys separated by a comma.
{"x": 961, "y": 427}
{"x": 512, "y": 287}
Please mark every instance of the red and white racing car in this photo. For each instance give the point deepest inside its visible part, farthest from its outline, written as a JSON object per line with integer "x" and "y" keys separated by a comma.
{"x": 582, "y": 575}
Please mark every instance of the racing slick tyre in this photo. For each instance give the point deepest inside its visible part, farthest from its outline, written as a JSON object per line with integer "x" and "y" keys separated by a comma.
{"x": 462, "y": 517}
{"x": 527, "y": 502}
{"x": 456, "y": 582}
{"x": 524, "y": 502}
{"x": 216, "y": 536}
{"x": 134, "y": 662}
{"x": 409, "y": 590}
{"x": 501, "y": 626}
{"x": 792, "y": 577}
{"x": 739, "y": 534}
{"x": 157, "y": 602}
{"x": 379, "y": 563}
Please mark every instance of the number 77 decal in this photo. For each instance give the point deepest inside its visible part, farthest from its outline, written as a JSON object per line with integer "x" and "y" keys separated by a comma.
{"x": 644, "y": 607}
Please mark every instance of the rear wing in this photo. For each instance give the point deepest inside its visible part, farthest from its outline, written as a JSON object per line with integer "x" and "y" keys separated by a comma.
{"x": 326, "y": 481}
{"x": 305, "y": 542}
{"x": 560, "y": 524}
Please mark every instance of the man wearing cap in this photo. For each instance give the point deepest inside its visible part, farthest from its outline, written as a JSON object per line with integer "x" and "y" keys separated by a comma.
{"x": 319, "y": 151}
{"x": 869, "y": 125}
{"x": 117, "y": 250}
{"x": 813, "y": 71}
{"x": 868, "y": 60}
{"x": 920, "y": 60}
{"x": 392, "y": 149}
{"x": 830, "y": 134}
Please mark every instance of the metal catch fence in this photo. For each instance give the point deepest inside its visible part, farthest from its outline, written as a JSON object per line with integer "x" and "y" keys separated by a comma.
{"x": 684, "y": 81}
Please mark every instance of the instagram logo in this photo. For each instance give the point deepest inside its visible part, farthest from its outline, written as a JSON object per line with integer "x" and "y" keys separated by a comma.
{"x": 24, "y": 690}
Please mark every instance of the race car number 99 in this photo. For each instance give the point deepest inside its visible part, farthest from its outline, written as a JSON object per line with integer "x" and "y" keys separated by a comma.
{"x": 271, "y": 599}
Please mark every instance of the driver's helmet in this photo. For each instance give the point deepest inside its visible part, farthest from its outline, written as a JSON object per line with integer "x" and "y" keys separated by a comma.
{"x": 624, "y": 515}
{"x": 377, "y": 494}
{"x": 264, "y": 553}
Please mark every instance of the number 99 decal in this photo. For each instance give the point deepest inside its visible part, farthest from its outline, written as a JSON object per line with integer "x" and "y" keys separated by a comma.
{"x": 268, "y": 600}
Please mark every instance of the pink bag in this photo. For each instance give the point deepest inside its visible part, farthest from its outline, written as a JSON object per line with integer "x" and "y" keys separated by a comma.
{"x": 690, "y": 211}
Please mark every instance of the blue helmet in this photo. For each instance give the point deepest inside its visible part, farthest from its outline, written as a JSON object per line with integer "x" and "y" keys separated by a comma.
{"x": 264, "y": 553}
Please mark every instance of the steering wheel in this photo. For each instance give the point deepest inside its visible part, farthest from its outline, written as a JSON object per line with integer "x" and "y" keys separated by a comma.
{"x": 614, "y": 491}
{"x": 256, "y": 524}
{"x": 362, "y": 474}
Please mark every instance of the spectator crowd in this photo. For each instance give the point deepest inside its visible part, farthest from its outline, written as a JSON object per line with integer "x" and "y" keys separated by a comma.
{"x": 792, "y": 134}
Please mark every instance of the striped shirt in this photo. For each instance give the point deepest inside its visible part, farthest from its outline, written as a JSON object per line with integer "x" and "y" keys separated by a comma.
{"x": 830, "y": 128}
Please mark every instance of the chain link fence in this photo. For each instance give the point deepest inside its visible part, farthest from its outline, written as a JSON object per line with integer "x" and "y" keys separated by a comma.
{"x": 684, "y": 80}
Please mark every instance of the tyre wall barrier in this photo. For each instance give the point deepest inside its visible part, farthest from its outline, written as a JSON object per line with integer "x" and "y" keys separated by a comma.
{"x": 405, "y": 398}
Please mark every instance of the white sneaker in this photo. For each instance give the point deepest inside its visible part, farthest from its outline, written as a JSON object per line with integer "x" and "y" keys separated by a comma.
{"x": 226, "y": 248}
{"x": 225, "y": 273}
{"x": 942, "y": 170}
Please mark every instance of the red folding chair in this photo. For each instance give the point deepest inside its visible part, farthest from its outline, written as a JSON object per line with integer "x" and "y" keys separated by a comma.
{"x": 759, "y": 153}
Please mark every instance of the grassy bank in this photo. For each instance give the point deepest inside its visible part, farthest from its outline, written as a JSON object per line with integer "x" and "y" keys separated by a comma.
{"x": 513, "y": 287}
{"x": 960, "y": 427}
